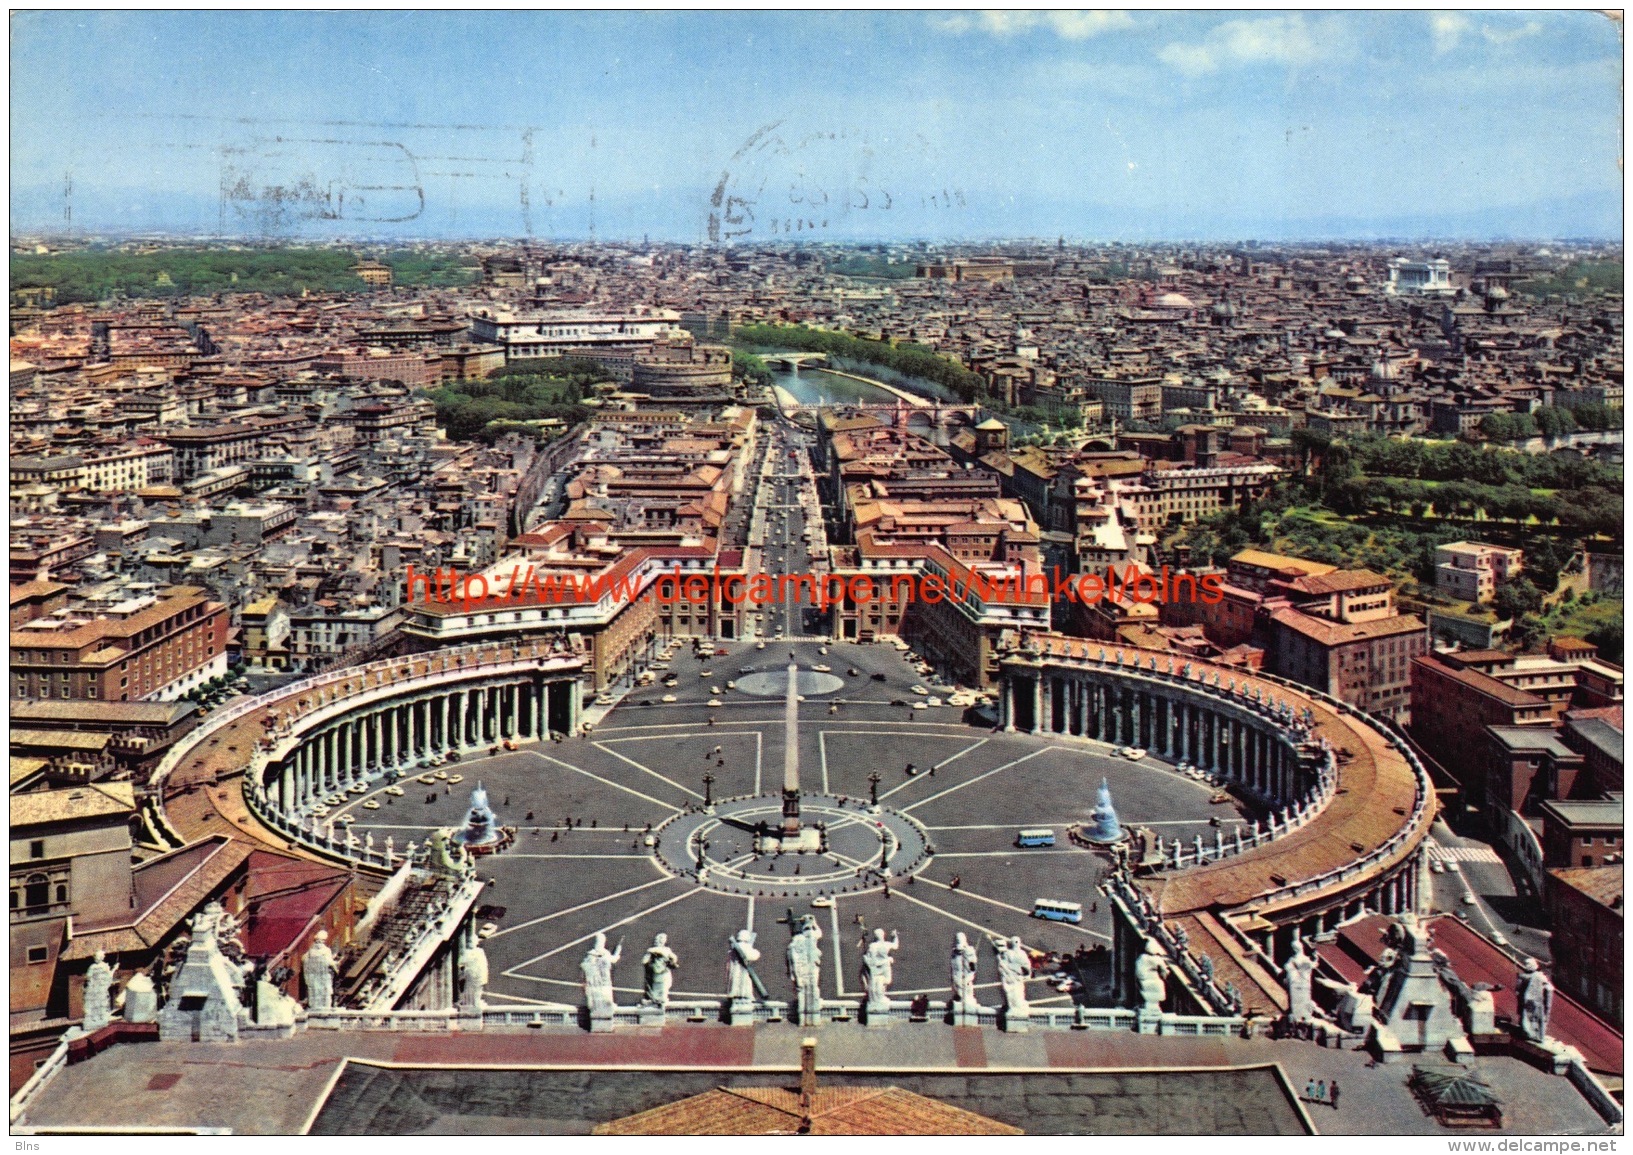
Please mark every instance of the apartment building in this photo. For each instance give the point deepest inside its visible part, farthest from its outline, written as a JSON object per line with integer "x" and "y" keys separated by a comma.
{"x": 1471, "y": 571}
{"x": 150, "y": 646}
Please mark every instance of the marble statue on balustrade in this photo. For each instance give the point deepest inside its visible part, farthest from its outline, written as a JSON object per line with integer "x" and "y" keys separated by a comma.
{"x": 743, "y": 983}
{"x": 1299, "y": 972}
{"x": 878, "y": 969}
{"x": 473, "y": 974}
{"x": 804, "y": 958}
{"x": 962, "y": 966}
{"x": 1014, "y": 968}
{"x": 1151, "y": 977}
{"x": 1534, "y": 992}
{"x": 98, "y": 995}
{"x": 659, "y": 964}
{"x": 597, "y": 967}
{"x": 318, "y": 969}
{"x": 443, "y": 855}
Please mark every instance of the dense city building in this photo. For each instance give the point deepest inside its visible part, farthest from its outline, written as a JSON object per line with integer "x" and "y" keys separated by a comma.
{"x": 324, "y": 604}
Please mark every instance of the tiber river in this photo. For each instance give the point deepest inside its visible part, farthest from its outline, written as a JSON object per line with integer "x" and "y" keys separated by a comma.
{"x": 817, "y": 387}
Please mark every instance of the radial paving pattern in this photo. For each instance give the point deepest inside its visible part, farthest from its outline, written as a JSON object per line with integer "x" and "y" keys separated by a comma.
{"x": 634, "y": 795}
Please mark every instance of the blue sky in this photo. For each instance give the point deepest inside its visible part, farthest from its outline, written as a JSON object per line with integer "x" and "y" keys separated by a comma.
{"x": 842, "y": 126}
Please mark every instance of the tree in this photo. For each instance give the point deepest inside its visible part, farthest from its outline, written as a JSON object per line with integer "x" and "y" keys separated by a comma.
{"x": 1608, "y": 638}
{"x": 1516, "y": 598}
{"x": 1553, "y": 422}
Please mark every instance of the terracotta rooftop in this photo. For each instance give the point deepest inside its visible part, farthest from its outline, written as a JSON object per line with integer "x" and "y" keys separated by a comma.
{"x": 833, "y": 1111}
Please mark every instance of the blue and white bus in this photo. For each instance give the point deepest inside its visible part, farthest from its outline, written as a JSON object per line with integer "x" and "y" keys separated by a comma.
{"x": 1038, "y": 837}
{"x": 1056, "y": 911}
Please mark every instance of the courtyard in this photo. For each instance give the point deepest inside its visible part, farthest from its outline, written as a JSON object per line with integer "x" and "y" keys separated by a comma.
{"x": 612, "y": 828}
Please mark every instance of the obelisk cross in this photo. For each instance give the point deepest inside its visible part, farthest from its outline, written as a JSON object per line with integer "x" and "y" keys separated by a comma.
{"x": 790, "y": 755}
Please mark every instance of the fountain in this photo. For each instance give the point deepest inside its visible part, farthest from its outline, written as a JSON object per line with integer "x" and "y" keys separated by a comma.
{"x": 1104, "y": 828}
{"x": 482, "y": 833}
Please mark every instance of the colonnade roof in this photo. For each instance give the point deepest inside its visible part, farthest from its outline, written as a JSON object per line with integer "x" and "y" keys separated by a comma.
{"x": 1376, "y": 793}
{"x": 203, "y": 794}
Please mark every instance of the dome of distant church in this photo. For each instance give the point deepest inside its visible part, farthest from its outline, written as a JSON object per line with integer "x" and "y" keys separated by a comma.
{"x": 1175, "y": 301}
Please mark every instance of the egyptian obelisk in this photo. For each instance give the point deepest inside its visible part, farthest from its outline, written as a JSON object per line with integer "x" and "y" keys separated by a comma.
{"x": 790, "y": 755}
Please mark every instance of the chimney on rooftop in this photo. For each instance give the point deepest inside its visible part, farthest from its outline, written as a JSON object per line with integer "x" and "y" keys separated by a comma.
{"x": 807, "y": 1080}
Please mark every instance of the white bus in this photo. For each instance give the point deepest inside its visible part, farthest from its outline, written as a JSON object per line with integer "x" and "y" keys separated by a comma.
{"x": 1057, "y": 911}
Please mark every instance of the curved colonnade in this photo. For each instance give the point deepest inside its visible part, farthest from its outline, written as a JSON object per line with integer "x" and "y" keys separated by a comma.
{"x": 335, "y": 732}
{"x": 1349, "y": 805}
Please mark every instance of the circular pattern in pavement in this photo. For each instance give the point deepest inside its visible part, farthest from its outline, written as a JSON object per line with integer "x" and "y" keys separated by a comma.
{"x": 862, "y": 847}
{"x": 774, "y": 683}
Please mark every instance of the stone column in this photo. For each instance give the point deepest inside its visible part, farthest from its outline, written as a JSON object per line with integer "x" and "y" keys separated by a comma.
{"x": 325, "y": 765}
{"x": 1037, "y": 703}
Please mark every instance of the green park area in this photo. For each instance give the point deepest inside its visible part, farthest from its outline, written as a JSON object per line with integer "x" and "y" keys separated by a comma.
{"x": 1579, "y": 279}
{"x": 90, "y": 275}
{"x": 1385, "y": 504}
{"x": 524, "y": 396}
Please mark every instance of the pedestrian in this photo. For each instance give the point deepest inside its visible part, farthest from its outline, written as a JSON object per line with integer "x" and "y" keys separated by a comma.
{"x": 1332, "y": 1094}
{"x": 932, "y": 771}
{"x": 1309, "y": 1090}
{"x": 530, "y": 816}
{"x": 555, "y": 834}
{"x": 958, "y": 880}
{"x": 1321, "y": 1091}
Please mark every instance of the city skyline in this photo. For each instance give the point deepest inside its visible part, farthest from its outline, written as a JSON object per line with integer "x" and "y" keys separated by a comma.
{"x": 848, "y": 127}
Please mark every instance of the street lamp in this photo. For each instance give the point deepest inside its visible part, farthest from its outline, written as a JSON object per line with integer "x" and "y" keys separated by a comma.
{"x": 873, "y": 787}
{"x": 708, "y": 789}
